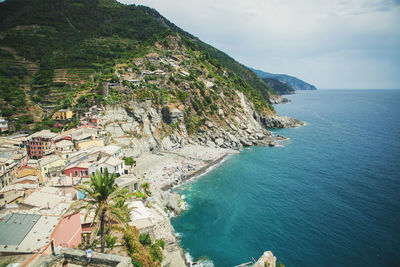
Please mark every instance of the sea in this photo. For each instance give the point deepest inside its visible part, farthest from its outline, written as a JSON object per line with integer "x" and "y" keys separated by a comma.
{"x": 327, "y": 196}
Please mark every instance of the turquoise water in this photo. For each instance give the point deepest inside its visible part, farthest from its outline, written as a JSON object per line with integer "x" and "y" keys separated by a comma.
{"x": 330, "y": 197}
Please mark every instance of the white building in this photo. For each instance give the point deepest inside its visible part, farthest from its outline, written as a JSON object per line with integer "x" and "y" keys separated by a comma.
{"x": 3, "y": 124}
{"x": 113, "y": 165}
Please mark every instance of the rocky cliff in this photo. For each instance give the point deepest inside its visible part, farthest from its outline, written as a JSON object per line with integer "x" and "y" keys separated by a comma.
{"x": 142, "y": 130}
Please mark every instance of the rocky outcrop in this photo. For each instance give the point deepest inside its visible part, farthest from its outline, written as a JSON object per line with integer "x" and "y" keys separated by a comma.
{"x": 278, "y": 99}
{"x": 267, "y": 259}
{"x": 279, "y": 122}
{"x": 140, "y": 127}
{"x": 171, "y": 116}
{"x": 172, "y": 201}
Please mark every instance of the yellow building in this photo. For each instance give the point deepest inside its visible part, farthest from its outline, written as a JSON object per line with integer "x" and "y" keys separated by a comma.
{"x": 30, "y": 170}
{"x": 62, "y": 114}
{"x": 92, "y": 142}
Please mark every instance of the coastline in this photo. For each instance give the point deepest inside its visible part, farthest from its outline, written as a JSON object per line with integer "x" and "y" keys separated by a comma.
{"x": 198, "y": 173}
{"x": 164, "y": 171}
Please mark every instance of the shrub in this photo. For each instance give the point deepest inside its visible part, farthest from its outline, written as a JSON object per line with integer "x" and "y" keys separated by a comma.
{"x": 156, "y": 253}
{"x": 129, "y": 161}
{"x": 145, "y": 239}
{"x": 110, "y": 241}
{"x": 160, "y": 243}
{"x": 182, "y": 96}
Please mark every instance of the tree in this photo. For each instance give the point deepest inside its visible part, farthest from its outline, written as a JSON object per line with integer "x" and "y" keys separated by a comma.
{"x": 106, "y": 201}
{"x": 129, "y": 161}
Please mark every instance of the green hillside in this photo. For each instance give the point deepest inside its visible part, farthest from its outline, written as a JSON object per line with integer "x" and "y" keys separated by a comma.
{"x": 55, "y": 52}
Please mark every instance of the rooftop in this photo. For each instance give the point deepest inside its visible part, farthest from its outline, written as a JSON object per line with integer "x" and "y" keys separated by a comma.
{"x": 45, "y": 198}
{"x": 79, "y": 164}
{"x": 28, "y": 177}
{"x": 139, "y": 211}
{"x": 113, "y": 161}
{"x": 25, "y": 233}
{"x": 110, "y": 149}
{"x": 43, "y": 134}
{"x": 125, "y": 180}
{"x": 18, "y": 187}
{"x": 64, "y": 143}
{"x": 15, "y": 227}
{"x": 49, "y": 159}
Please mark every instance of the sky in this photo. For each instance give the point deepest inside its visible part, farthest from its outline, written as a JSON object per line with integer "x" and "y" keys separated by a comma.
{"x": 329, "y": 43}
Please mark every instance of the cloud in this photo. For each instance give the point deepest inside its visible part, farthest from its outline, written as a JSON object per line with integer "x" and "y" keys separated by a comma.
{"x": 315, "y": 40}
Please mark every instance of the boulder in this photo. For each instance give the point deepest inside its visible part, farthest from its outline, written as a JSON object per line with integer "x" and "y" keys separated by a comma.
{"x": 172, "y": 201}
{"x": 171, "y": 117}
{"x": 280, "y": 122}
{"x": 209, "y": 124}
{"x": 210, "y": 144}
{"x": 219, "y": 141}
{"x": 167, "y": 144}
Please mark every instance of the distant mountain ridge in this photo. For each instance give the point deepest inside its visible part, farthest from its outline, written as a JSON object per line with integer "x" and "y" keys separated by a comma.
{"x": 278, "y": 86}
{"x": 293, "y": 82}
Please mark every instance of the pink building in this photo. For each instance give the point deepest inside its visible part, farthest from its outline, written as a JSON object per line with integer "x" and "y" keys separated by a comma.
{"x": 68, "y": 232}
{"x": 40, "y": 144}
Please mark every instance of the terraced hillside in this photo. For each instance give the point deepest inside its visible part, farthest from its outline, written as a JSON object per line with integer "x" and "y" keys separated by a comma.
{"x": 64, "y": 54}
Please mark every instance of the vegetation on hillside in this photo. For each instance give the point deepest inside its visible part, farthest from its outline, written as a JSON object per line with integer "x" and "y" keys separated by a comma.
{"x": 61, "y": 54}
{"x": 279, "y": 86}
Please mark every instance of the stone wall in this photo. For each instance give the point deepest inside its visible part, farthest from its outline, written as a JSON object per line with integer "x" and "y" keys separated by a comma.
{"x": 78, "y": 257}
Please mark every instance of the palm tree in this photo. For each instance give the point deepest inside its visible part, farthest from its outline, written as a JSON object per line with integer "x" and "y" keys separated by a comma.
{"x": 106, "y": 201}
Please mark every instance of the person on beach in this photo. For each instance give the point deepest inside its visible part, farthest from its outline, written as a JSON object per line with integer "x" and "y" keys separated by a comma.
{"x": 89, "y": 256}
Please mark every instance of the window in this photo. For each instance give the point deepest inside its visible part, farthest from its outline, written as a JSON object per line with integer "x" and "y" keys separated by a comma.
{"x": 75, "y": 173}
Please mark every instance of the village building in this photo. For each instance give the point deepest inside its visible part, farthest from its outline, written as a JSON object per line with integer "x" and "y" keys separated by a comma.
{"x": 130, "y": 182}
{"x": 91, "y": 120}
{"x": 13, "y": 149}
{"x": 95, "y": 110}
{"x": 159, "y": 72}
{"x": 76, "y": 156}
{"x": 78, "y": 169}
{"x": 8, "y": 171}
{"x": 62, "y": 115}
{"x": 139, "y": 215}
{"x": 40, "y": 144}
{"x": 133, "y": 81}
{"x": 64, "y": 148}
{"x": 110, "y": 150}
{"x": 18, "y": 137}
{"x": 51, "y": 166}
{"x": 88, "y": 143}
{"x": 3, "y": 125}
{"x": 113, "y": 165}
{"x": 36, "y": 233}
{"x": 14, "y": 194}
{"x": 30, "y": 170}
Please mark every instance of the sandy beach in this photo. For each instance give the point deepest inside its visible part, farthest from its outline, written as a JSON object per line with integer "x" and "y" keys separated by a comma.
{"x": 164, "y": 169}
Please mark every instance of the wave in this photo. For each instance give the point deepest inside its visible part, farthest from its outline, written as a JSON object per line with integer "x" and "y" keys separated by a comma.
{"x": 201, "y": 262}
